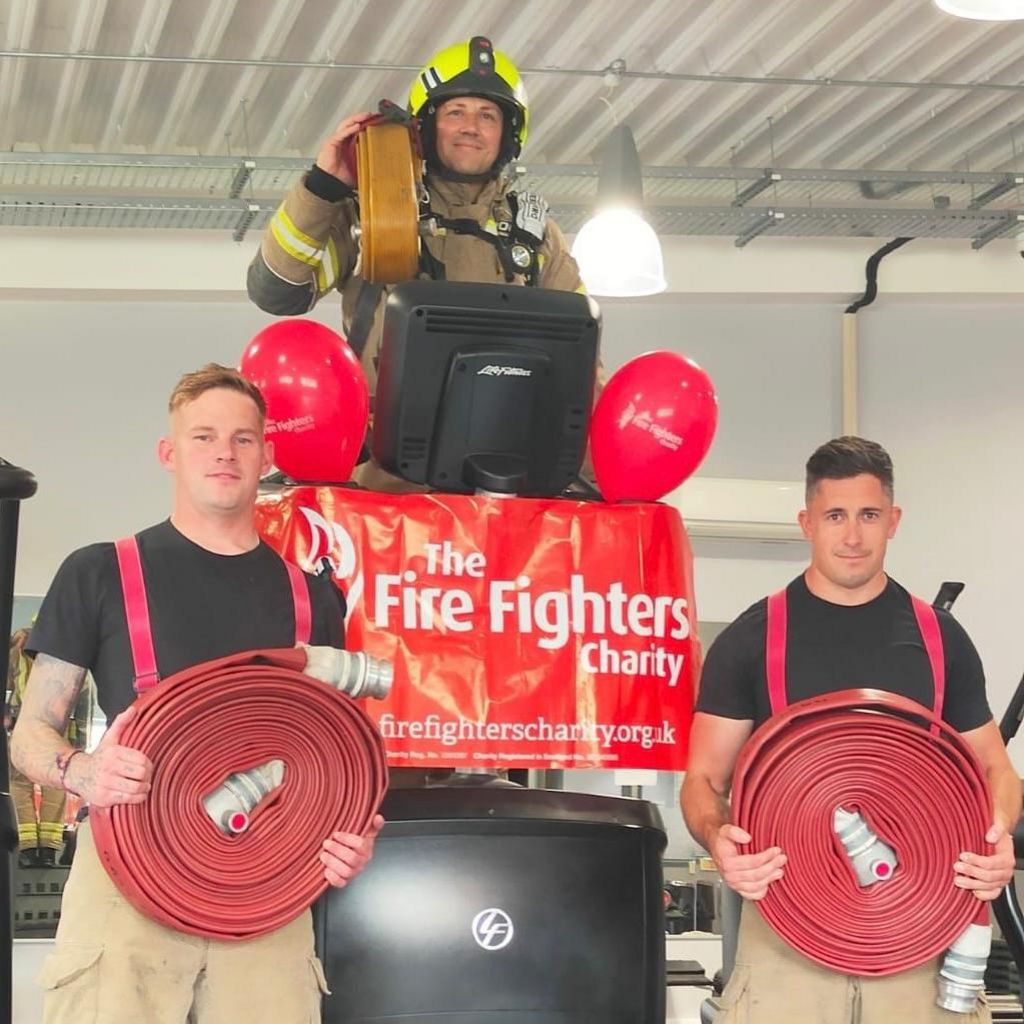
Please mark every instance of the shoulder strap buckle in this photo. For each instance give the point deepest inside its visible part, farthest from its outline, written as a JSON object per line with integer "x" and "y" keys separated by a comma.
{"x": 531, "y": 215}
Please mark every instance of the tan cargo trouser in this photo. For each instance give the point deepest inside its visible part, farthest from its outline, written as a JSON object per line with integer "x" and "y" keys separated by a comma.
{"x": 774, "y": 984}
{"x": 113, "y": 965}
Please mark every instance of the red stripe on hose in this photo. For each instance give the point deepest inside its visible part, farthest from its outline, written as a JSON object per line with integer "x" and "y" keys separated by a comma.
{"x": 921, "y": 789}
{"x": 171, "y": 861}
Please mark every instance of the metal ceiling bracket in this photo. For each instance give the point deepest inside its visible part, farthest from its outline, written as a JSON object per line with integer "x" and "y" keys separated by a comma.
{"x": 997, "y": 230}
{"x": 1010, "y": 182}
{"x": 244, "y": 222}
{"x": 241, "y": 178}
{"x": 755, "y": 188}
{"x": 768, "y": 220}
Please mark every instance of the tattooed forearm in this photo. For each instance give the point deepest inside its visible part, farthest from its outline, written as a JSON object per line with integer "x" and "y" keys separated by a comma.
{"x": 39, "y": 736}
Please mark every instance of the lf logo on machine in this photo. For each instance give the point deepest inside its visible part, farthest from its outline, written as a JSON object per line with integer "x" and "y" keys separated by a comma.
{"x": 492, "y": 929}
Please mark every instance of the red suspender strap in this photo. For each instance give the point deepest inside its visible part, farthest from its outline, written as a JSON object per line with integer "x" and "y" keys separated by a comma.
{"x": 300, "y": 598}
{"x": 136, "y": 608}
{"x": 775, "y": 652}
{"x": 928, "y": 623}
{"x": 137, "y": 612}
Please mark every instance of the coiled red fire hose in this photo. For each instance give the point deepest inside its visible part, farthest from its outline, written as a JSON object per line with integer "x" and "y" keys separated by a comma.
{"x": 167, "y": 856}
{"x": 920, "y": 788}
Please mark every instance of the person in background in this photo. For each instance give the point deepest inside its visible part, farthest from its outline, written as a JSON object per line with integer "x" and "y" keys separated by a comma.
{"x": 40, "y": 822}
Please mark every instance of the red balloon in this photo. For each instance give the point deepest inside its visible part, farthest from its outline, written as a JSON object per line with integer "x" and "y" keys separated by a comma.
{"x": 652, "y": 426}
{"x": 317, "y": 400}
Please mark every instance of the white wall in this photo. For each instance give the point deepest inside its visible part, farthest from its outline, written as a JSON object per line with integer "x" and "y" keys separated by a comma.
{"x": 36, "y": 261}
{"x": 83, "y": 402}
{"x": 942, "y": 388}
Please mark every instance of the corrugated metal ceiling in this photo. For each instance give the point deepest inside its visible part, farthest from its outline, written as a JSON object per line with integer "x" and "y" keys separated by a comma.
{"x": 177, "y": 93}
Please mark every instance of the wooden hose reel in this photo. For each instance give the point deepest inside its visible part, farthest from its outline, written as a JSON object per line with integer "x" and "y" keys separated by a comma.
{"x": 388, "y": 171}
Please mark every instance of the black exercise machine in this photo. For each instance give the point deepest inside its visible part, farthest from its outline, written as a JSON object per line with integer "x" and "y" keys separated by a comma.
{"x": 16, "y": 485}
{"x": 1006, "y": 909}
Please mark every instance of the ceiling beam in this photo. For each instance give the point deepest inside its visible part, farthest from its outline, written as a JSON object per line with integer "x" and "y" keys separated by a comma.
{"x": 739, "y": 174}
{"x": 823, "y": 81}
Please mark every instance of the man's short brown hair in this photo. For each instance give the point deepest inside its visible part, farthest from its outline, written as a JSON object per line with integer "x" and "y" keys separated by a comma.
{"x": 211, "y": 376}
{"x": 846, "y": 457}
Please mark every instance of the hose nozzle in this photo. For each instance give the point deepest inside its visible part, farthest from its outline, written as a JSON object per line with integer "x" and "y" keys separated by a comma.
{"x": 353, "y": 672}
{"x": 363, "y": 675}
{"x": 873, "y": 861}
{"x": 962, "y": 973}
{"x": 231, "y": 803}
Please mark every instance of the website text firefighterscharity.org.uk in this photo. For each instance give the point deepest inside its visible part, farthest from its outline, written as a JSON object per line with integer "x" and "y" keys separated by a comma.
{"x": 450, "y": 732}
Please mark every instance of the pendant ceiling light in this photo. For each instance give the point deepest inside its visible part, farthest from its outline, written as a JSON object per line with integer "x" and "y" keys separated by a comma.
{"x": 617, "y": 251}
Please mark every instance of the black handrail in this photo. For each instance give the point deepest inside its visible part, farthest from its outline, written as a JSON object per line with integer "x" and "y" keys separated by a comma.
{"x": 1006, "y": 908}
{"x": 16, "y": 485}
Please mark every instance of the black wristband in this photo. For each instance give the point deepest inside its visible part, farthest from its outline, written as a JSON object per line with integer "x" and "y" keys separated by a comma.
{"x": 327, "y": 186}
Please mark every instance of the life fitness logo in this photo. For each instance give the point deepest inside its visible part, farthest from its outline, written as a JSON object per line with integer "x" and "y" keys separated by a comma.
{"x": 492, "y": 929}
{"x": 334, "y": 543}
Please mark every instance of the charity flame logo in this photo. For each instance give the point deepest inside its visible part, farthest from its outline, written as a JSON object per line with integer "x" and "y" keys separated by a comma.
{"x": 334, "y": 543}
{"x": 630, "y": 417}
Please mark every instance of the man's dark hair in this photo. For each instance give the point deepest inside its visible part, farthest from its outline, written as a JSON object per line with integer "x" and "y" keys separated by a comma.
{"x": 845, "y": 457}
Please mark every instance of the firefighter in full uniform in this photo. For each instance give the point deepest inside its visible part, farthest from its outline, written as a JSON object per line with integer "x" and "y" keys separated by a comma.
{"x": 40, "y": 832}
{"x": 473, "y": 116}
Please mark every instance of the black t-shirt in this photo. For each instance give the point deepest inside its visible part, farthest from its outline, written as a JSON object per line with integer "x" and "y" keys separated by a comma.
{"x": 201, "y": 606}
{"x": 832, "y": 647}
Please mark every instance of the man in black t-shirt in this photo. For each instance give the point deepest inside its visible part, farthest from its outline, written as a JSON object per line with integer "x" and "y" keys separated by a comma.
{"x": 208, "y": 604}
{"x": 213, "y": 589}
{"x": 832, "y": 646}
{"x": 848, "y": 626}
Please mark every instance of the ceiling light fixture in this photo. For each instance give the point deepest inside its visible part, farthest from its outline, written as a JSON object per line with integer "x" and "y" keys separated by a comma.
{"x": 983, "y": 10}
{"x": 617, "y": 251}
